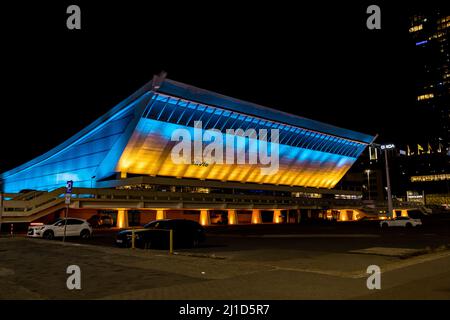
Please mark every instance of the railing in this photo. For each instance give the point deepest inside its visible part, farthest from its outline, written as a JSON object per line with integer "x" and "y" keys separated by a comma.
{"x": 55, "y": 197}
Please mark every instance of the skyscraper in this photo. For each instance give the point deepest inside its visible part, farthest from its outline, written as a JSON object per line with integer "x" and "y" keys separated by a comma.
{"x": 429, "y": 31}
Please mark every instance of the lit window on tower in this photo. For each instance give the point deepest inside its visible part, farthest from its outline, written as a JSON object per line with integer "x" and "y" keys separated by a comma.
{"x": 416, "y": 28}
{"x": 425, "y": 96}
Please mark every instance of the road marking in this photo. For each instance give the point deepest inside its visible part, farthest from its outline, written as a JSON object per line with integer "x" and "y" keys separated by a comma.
{"x": 325, "y": 235}
{"x": 389, "y": 251}
{"x": 363, "y": 274}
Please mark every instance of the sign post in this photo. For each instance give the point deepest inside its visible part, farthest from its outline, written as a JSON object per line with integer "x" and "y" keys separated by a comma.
{"x": 67, "y": 201}
{"x": 1, "y": 205}
{"x": 387, "y": 147}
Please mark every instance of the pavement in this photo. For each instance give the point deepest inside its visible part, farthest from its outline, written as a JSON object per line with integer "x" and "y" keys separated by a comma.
{"x": 269, "y": 263}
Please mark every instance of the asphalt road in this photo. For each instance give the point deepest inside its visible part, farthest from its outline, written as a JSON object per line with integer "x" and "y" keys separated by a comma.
{"x": 312, "y": 237}
{"x": 237, "y": 262}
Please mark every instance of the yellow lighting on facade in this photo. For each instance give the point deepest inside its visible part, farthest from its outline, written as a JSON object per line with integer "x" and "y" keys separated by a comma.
{"x": 149, "y": 153}
{"x": 350, "y": 214}
{"x": 205, "y": 219}
{"x": 160, "y": 214}
{"x": 343, "y": 216}
{"x": 256, "y": 216}
{"x": 122, "y": 218}
{"x": 425, "y": 96}
{"x": 232, "y": 217}
{"x": 277, "y": 217}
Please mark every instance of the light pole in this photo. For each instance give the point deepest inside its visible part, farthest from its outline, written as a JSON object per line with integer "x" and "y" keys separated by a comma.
{"x": 387, "y": 147}
{"x": 368, "y": 181}
{"x": 1, "y": 205}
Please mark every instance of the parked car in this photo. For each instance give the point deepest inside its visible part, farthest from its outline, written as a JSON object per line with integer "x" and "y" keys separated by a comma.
{"x": 75, "y": 228}
{"x": 406, "y": 222}
{"x": 186, "y": 233}
{"x": 101, "y": 220}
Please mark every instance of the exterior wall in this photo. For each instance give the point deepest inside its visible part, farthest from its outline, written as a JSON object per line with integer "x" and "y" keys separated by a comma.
{"x": 79, "y": 162}
{"x": 149, "y": 153}
{"x": 133, "y": 139}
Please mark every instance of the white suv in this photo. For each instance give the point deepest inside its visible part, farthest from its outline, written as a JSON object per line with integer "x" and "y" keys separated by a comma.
{"x": 75, "y": 227}
{"x": 406, "y": 222}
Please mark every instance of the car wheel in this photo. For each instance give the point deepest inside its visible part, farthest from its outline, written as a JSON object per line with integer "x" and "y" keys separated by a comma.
{"x": 49, "y": 235}
{"x": 384, "y": 226}
{"x": 408, "y": 225}
{"x": 85, "y": 234}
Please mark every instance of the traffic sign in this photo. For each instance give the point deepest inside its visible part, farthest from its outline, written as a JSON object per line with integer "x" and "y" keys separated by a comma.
{"x": 69, "y": 186}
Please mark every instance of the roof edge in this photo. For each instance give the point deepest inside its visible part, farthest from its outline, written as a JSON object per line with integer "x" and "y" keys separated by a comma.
{"x": 212, "y": 98}
{"x": 67, "y": 143}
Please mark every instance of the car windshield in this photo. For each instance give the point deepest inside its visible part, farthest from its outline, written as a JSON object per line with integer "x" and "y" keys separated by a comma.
{"x": 152, "y": 225}
{"x": 59, "y": 222}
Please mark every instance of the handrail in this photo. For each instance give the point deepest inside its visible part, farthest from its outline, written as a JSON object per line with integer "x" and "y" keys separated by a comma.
{"x": 47, "y": 199}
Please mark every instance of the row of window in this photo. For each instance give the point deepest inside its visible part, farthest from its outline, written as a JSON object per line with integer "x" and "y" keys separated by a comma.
{"x": 178, "y": 111}
{"x": 425, "y": 96}
{"x": 436, "y": 177}
{"x": 416, "y": 28}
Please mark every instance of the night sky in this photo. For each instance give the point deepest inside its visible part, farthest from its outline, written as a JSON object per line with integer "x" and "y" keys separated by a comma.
{"x": 315, "y": 60}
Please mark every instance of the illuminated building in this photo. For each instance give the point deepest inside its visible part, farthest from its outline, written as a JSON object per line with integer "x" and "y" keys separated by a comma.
{"x": 129, "y": 148}
{"x": 429, "y": 33}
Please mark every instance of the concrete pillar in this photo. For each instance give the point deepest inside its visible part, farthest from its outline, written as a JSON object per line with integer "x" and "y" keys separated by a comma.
{"x": 344, "y": 215}
{"x": 122, "y": 218}
{"x": 205, "y": 218}
{"x": 256, "y": 216}
{"x": 160, "y": 214}
{"x": 232, "y": 217}
{"x": 277, "y": 217}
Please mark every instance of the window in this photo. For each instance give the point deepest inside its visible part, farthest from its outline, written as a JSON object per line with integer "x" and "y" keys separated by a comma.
{"x": 416, "y": 28}
{"x": 74, "y": 222}
{"x": 425, "y": 96}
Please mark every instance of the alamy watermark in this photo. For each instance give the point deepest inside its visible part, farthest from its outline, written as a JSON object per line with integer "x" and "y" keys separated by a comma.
{"x": 374, "y": 280}
{"x": 189, "y": 150}
{"x": 74, "y": 19}
{"x": 74, "y": 280}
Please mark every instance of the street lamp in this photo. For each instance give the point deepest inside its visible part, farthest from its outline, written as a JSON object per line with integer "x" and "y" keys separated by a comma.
{"x": 1, "y": 204}
{"x": 368, "y": 181}
{"x": 387, "y": 147}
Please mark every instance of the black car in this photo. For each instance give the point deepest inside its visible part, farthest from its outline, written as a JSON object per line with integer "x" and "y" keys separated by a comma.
{"x": 186, "y": 233}
{"x": 101, "y": 220}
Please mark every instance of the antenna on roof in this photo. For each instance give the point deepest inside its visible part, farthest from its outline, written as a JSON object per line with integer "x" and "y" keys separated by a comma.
{"x": 158, "y": 80}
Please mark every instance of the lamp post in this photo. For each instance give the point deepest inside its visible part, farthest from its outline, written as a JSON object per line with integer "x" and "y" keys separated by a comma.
{"x": 387, "y": 147}
{"x": 1, "y": 204}
{"x": 368, "y": 181}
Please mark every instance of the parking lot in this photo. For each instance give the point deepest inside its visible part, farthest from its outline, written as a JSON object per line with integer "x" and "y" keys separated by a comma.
{"x": 236, "y": 262}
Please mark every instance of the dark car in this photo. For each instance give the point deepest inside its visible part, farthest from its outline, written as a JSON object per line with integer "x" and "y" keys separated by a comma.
{"x": 101, "y": 220}
{"x": 186, "y": 233}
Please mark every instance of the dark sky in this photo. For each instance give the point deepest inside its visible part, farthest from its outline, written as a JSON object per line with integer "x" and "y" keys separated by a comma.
{"x": 315, "y": 59}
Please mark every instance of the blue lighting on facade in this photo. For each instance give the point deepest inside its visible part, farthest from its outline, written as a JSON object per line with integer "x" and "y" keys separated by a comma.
{"x": 97, "y": 150}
